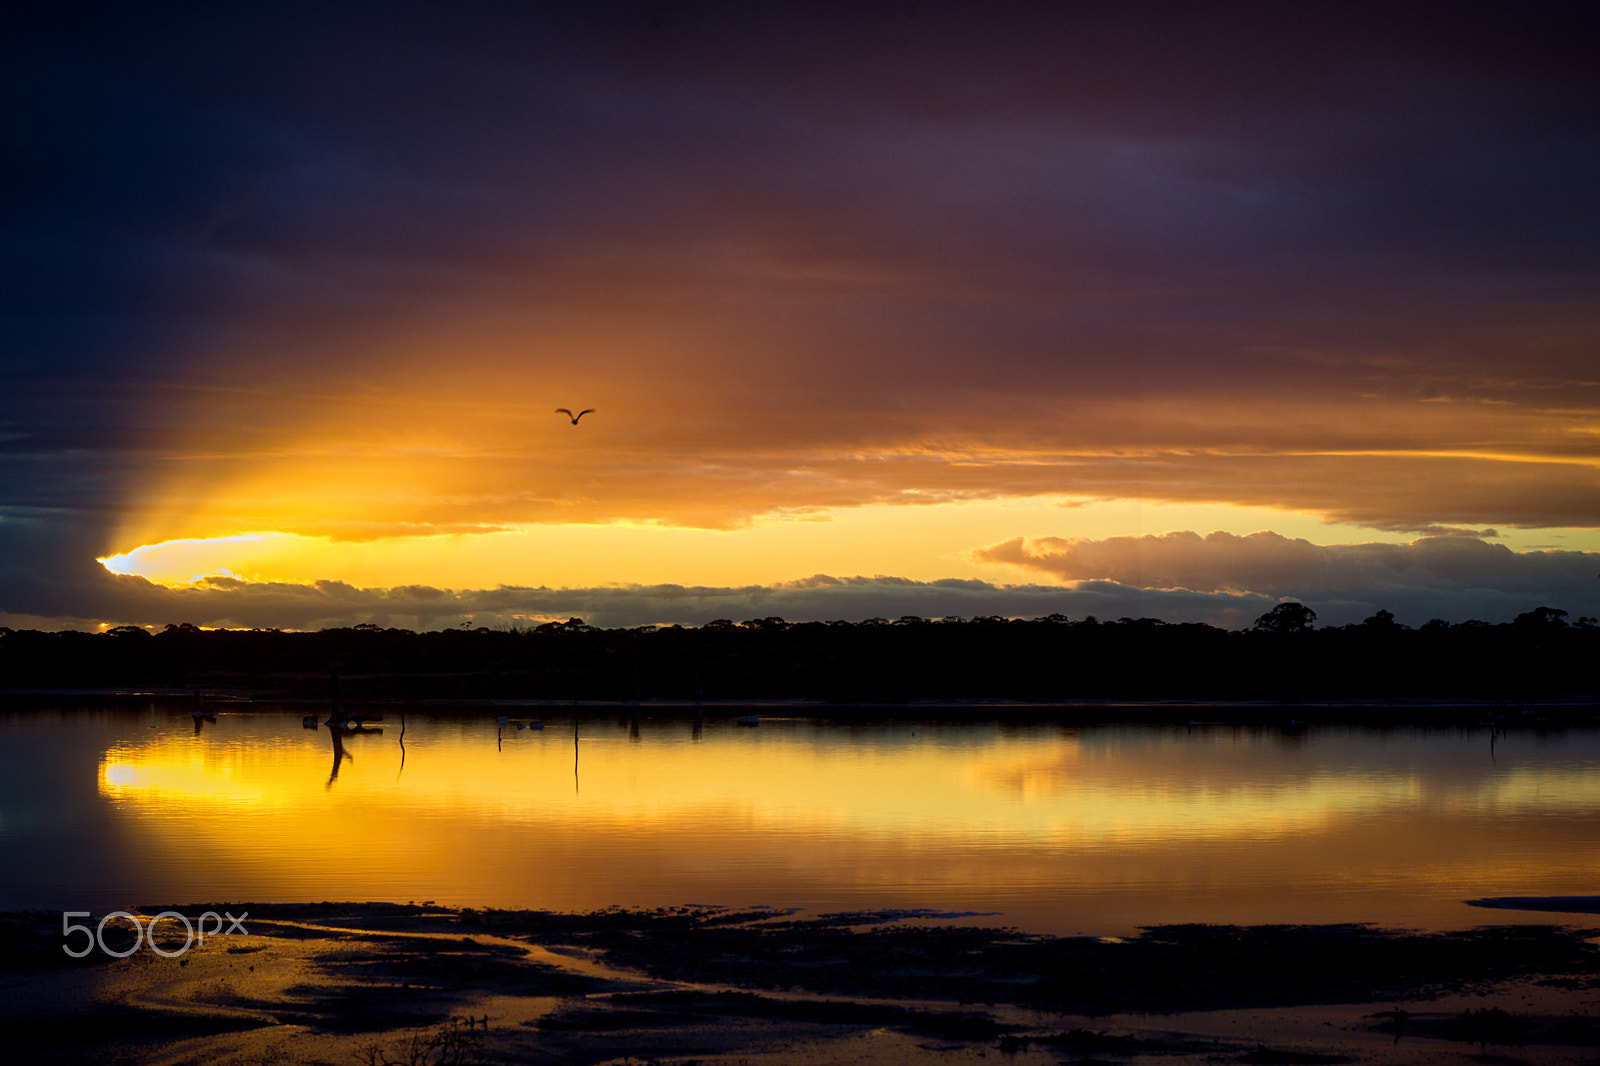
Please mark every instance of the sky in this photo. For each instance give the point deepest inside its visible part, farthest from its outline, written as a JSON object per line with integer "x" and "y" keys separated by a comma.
{"x": 882, "y": 309}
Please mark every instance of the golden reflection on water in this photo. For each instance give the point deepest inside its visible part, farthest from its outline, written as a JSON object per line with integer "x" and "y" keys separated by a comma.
{"x": 1062, "y": 830}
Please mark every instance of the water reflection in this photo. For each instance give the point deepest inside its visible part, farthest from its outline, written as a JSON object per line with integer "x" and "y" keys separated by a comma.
{"x": 341, "y": 726}
{"x": 201, "y": 713}
{"x": 1063, "y": 830}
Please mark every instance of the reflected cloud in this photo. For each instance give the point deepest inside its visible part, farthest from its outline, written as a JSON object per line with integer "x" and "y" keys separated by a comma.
{"x": 1061, "y": 792}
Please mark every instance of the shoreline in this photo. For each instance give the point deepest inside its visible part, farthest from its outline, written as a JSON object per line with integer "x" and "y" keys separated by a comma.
{"x": 1564, "y": 711}
{"x": 333, "y": 982}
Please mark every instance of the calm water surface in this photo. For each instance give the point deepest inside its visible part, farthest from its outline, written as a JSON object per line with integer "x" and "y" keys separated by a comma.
{"x": 1063, "y": 830}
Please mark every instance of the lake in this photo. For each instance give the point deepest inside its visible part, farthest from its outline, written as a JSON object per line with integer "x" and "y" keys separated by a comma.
{"x": 1046, "y": 827}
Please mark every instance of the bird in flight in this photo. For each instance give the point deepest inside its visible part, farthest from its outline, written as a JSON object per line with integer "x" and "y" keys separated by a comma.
{"x": 574, "y": 417}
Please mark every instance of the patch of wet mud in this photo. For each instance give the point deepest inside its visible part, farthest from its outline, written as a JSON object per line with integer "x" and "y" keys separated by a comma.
{"x": 333, "y": 983}
{"x": 1183, "y": 967}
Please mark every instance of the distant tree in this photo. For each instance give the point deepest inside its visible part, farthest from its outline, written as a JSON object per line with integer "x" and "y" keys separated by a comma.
{"x": 1290, "y": 617}
{"x": 1382, "y": 620}
{"x": 1542, "y": 618}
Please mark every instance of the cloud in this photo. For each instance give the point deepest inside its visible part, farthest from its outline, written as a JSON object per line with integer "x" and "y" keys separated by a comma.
{"x": 1453, "y": 576}
{"x": 228, "y": 602}
{"x": 323, "y": 271}
{"x": 420, "y": 463}
{"x": 1220, "y": 579}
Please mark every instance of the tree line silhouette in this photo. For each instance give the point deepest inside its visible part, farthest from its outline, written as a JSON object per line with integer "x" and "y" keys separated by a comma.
{"x": 1284, "y": 656}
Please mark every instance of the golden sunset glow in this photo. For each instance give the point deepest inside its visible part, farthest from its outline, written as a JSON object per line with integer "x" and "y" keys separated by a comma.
{"x": 1095, "y": 804}
{"x": 428, "y": 481}
{"x": 366, "y": 465}
{"x": 927, "y": 324}
{"x": 926, "y": 541}
{"x": 917, "y": 541}
{"x": 723, "y": 532}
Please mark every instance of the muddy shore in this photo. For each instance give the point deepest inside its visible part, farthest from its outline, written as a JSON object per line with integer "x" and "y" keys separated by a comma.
{"x": 384, "y": 983}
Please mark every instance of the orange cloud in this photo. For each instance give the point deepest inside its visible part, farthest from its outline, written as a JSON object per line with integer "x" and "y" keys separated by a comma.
{"x": 797, "y": 266}
{"x": 427, "y": 456}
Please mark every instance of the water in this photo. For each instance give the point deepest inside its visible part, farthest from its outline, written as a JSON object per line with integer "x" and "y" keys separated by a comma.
{"x": 1062, "y": 830}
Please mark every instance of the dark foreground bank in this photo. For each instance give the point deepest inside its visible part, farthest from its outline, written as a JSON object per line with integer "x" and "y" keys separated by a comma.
{"x": 384, "y": 983}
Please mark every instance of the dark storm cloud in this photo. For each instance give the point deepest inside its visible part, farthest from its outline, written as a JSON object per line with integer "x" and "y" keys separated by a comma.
{"x": 928, "y": 209}
{"x": 309, "y": 165}
{"x": 1030, "y": 142}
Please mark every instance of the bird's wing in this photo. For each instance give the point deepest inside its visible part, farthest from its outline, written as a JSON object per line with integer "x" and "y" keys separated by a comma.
{"x": 590, "y": 411}
{"x": 563, "y": 411}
